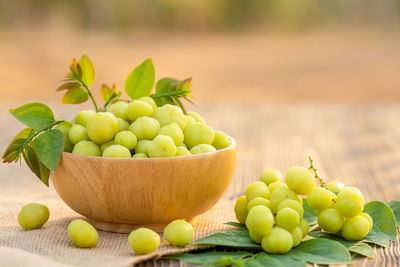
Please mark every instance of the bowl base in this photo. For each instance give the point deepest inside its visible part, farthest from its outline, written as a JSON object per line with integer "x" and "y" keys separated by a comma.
{"x": 124, "y": 228}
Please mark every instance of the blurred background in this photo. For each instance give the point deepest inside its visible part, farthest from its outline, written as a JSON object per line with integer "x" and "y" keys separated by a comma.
{"x": 235, "y": 50}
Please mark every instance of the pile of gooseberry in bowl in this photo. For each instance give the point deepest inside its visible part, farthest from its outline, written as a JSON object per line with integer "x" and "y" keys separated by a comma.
{"x": 142, "y": 161}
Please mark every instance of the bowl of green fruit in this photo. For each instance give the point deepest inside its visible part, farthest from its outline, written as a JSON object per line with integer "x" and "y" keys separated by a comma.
{"x": 131, "y": 163}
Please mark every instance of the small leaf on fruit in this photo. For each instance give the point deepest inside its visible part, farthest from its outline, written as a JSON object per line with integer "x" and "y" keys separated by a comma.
{"x": 49, "y": 146}
{"x": 164, "y": 84}
{"x": 140, "y": 81}
{"x": 87, "y": 70}
{"x": 34, "y": 115}
{"x": 68, "y": 86}
{"x": 75, "y": 96}
{"x": 236, "y": 224}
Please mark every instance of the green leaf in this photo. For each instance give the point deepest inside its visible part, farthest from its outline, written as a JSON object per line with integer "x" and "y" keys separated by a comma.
{"x": 87, "y": 70}
{"x": 233, "y": 238}
{"x": 68, "y": 86}
{"x": 49, "y": 146}
{"x": 140, "y": 81}
{"x": 376, "y": 236}
{"x": 210, "y": 257}
{"x": 32, "y": 160}
{"x": 321, "y": 251}
{"x": 164, "y": 84}
{"x": 14, "y": 149}
{"x": 395, "y": 206}
{"x": 262, "y": 261}
{"x": 236, "y": 224}
{"x": 383, "y": 218}
{"x": 75, "y": 96}
{"x": 355, "y": 247}
{"x": 286, "y": 261}
{"x": 34, "y": 115}
{"x": 309, "y": 214}
{"x": 184, "y": 85}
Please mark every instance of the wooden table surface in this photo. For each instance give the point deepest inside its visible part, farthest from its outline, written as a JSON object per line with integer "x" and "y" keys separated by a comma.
{"x": 358, "y": 144}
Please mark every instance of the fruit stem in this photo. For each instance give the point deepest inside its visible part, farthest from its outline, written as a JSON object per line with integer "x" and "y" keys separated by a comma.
{"x": 321, "y": 182}
{"x": 91, "y": 96}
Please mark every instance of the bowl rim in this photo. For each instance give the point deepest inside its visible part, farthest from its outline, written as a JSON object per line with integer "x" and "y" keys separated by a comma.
{"x": 232, "y": 146}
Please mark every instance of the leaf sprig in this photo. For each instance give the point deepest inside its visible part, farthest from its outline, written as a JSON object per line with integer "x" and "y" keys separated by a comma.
{"x": 138, "y": 84}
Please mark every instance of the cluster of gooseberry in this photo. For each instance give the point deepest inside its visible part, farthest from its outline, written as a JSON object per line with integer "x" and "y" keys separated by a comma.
{"x": 340, "y": 214}
{"x": 140, "y": 129}
{"x": 142, "y": 241}
{"x": 273, "y": 210}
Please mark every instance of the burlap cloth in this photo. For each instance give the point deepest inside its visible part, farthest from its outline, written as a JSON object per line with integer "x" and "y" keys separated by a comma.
{"x": 50, "y": 246}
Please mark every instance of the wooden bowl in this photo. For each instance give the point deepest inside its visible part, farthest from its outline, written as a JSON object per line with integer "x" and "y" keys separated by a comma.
{"x": 119, "y": 195}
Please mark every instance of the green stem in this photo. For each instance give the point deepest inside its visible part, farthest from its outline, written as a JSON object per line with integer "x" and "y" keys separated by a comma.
{"x": 321, "y": 182}
{"x": 29, "y": 139}
{"x": 91, "y": 96}
{"x": 170, "y": 93}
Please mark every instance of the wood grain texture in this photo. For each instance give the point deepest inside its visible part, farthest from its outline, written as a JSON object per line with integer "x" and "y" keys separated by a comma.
{"x": 123, "y": 194}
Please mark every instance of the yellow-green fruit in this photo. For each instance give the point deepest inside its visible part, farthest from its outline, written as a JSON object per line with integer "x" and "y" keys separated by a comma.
{"x": 293, "y": 204}
{"x": 82, "y": 234}
{"x": 221, "y": 140}
{"x": 77, "y": 133}
{"x": 297, "y": 236}
{"x": 335, "y": 186}
{"x": 255, "y": 237}
{"x": 280, "y": 194}
{"x": 271, "y": 175}
{"x": 190, "y": 120}
{"x": 355, "y": 228}
{"x": 274, "y": 185}
{"x": 369, "y": 219}
{"x": 126, "y": 139}
{"x": 319, "y": 198}
{"x": 287, "y": 218}
{"x": 198, "y": 133}
{"x": 33, "y": 216}
{"x": 258, "y": 201}
{"x": 143, "y": 241}
{"x": 145, "y": 128}
{"x": 202, "y": 148}
{"x": 196, "y": 116}
{"x": 162, "y": 146}
{"x": 182, "y": 151}
{"x": 305, "y": 227}
{"x": 64, "y": 127}
{"x": 278, "y": 241}
{"x": 257, "y": 189}
{"x": 168, "y": 114}
{"x": 137, "y": 109}
{"x": 83, "y": 117}
{"x": 149, "y": 101}
{"x": 179, "y": 233}
{"x": 174, "y": 131}
{"x": 330, "y": 220}
{"x": 142, "y": 146}
{"x": 350, "y": 202}
{"x": 139, "y": 156}
{"x": 105, "y": 145}
{"x": 122, "y": 125}
{"x": 300, "y": 180}
{"x": 87, "y": 148}
{"x": 102, "y": 127}
{"x": 120, "y": 110}
{"x": 116, "y": 151}
{"x": 259, "y": 220}
{"x": 241, "y": 209}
